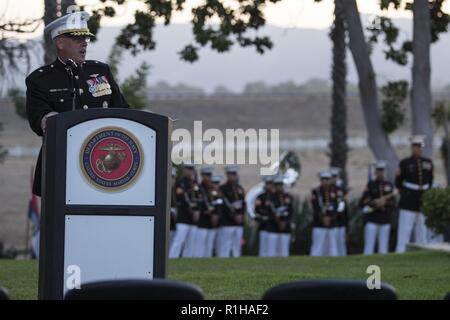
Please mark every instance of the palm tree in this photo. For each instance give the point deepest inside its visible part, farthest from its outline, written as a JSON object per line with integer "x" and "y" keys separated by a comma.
{"x": 338, "y": 144}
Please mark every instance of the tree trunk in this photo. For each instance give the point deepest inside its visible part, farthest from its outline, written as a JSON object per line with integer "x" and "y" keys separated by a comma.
{"x": 421, "y": 73}
{"x": 53, "y": 10}
{"x": 446, "y": 153}
{"x": 338, "y": 145}
{"x": 376, "y": 137}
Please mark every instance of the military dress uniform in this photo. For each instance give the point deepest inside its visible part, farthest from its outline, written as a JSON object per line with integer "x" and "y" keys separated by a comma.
{"x": 187, "y": 198}
{"x": 324, "y": 203}
{"x": 414, "y": 177}
{"x": 231, "y": 228}
{"x": 49, "y": 87}
{"x": 211, "y": 203}
{"x": 279, "y": 241}
{"x": 342, "y": 212}
{"x": 377, "y": 220}
{"x": 263, "y": 216}
{"x": 341, "y": 221}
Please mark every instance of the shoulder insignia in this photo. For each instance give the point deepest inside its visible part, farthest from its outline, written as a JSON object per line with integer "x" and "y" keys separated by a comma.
{"x": 39, "y": 72}
{"x": 95, "y": 63}
{"x": 426, "y": 165}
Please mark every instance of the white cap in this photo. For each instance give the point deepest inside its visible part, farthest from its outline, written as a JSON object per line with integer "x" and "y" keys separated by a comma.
{"x": 73, "y": 24}
{"x": 188, "y": 164}
{"x": 231, "y": 169}
{"x": 268, "y": 179}
{"x": 206, "y": 170}
{"x": 335, "y": 171}
{"x": 278, "y": 179}
{"x": 380, "y": 165}
{"x": 418, "y": 139}
{"x": 325, "y": 174}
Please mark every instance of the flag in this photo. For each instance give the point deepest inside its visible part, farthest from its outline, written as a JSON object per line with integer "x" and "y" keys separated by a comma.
{"x": 369, "y": 173}
{"x": 35, "y": 217}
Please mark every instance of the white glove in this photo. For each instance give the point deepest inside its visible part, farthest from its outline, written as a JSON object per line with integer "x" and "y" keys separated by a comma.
{"x": 237, "y": 204}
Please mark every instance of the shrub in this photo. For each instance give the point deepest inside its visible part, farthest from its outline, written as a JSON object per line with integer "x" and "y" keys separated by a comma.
{"x": 436, "y": 208}
{"x": 18, "y": 97}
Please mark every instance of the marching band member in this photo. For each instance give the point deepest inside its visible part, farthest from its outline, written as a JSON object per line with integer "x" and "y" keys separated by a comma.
{"x": 377, "y": 204}
{"x": 414, "y": 177}
{"x": 324, "y": 202}
{"x": 231, "y": 229}
{"x": 187, "y": 193}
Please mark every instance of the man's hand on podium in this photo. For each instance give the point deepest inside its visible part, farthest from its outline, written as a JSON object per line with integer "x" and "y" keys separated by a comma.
{"x": 44, "y": 120}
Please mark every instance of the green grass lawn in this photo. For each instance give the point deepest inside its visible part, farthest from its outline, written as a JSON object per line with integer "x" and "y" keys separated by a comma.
{"x": 415, "y": 275}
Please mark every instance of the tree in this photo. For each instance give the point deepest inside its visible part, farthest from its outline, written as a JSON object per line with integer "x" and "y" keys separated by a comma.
{"x": 15, "y": 55}
{"x": 134, "y": 88}
{"x": 3, "y": 151}
{"x": 421, "y": 73}
{"x": 236, "y": 20}
{"x": 428, "y": 22}
{"x": 376, "y": 136}
{"x": 338, "y": 145}
{"x": 441, "y": 115}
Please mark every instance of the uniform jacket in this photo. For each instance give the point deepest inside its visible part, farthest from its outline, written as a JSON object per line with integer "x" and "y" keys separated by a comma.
{"x": 234, "y": 208}
{"x": 211, "y": 205}
{"x": 283, "y": 211}
{"x": 187, "y": 200}
{"x": 324, "y": 202}
{"x": 263, "y": 210}
{"x": 48, "y": 89}
{"x": 414, "y": 177}
{"x": 342, "y": 217}
{"x": 376, "y": 189}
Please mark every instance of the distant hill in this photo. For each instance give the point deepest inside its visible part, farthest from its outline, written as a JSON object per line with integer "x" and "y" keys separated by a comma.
{"x": 298, "y": 55}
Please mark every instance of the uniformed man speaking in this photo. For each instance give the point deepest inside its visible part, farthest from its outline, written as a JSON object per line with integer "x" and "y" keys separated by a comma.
{"x": 70, "y": 82}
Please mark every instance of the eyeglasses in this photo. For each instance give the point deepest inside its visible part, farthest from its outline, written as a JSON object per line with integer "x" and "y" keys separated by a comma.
{"x": 78, "y": 39}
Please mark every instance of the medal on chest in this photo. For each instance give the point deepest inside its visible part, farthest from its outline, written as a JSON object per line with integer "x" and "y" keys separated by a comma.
{"x": 98, "y": 85}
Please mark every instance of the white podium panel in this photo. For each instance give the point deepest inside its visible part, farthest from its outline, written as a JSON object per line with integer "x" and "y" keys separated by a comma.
{"x": 108, "y": 248}
{"x": 106, "y": 163}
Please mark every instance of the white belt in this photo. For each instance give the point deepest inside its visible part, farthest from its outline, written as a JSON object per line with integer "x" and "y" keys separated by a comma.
{"x": 414, "y": 186}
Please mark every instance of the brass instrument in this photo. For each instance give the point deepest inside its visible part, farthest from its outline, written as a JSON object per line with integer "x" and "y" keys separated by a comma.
{"x": 289, "y": 167}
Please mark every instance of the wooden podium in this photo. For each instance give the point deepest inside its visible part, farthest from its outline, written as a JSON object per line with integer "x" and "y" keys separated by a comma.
{"x": 105, "y": 198}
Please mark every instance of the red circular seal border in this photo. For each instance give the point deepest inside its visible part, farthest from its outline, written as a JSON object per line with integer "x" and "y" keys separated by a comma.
{"x": 125, "y": 185}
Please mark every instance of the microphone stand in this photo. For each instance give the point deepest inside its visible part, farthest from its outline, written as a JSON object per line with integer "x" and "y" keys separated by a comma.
{"x": 72, "y": 88}
{"x": 69, "y": 70}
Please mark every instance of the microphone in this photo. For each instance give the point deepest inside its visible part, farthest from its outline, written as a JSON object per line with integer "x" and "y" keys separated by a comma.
{"x": 71, "y": 65}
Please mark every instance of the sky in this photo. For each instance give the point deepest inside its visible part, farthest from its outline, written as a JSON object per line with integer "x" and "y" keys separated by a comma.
{"x": 289, "y": 14}
{"x": 286, "y": 14}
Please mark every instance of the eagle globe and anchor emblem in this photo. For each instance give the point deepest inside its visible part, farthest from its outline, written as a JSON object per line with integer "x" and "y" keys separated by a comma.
{"x": 111, "y": 159}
